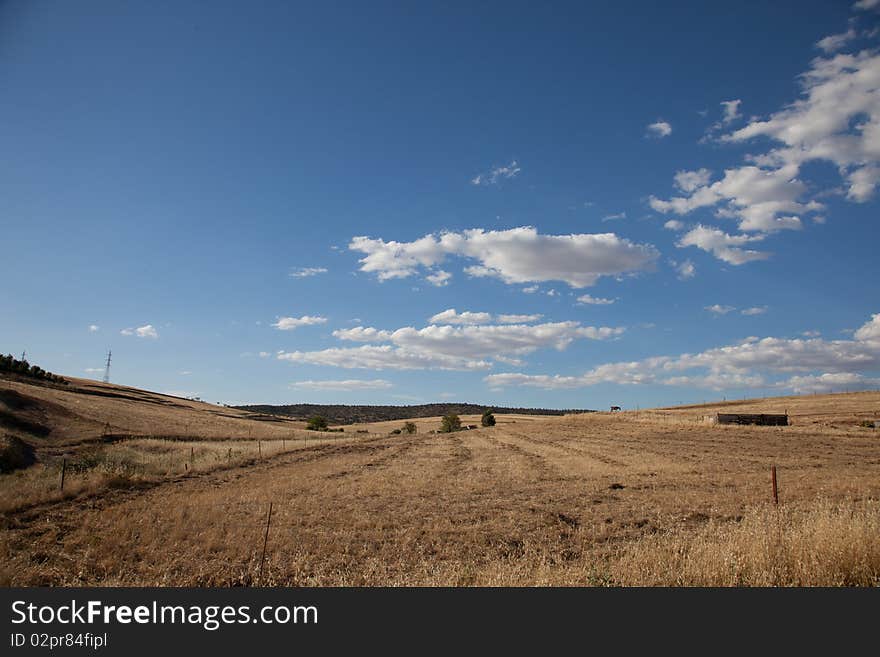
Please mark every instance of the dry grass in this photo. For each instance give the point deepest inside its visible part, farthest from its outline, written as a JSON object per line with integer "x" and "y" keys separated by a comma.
{"x": 820, "y": 544}
{"x": 594, "y": 499}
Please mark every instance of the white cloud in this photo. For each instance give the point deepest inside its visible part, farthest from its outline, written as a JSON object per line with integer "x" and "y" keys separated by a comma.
{"x": 518, "y": 255}
{"x": 614, "y": 217}
{"x": 659, "y": 129}
{"x": 834, "y": 42}
{"x": 451, "y": 316}
{"x": 754, "y": 310}
{"x": 730, "y": 110}
{"x": 518, "y": 319}
{"x": 746, "y": 364}
{"x": 531, "y": 289}
{"x": 381, "y": 357}
{"x": 723, "y": 246}
{"x": 718, "y": 309}
{"x": 836, "y": 119}
{"x": 594, "y": 301}
{"x": 362, "y": 334}
{"x": 829, "y": 382}
{"x": 762, "y": 199}
{"x": 466, "y": 347}
{"x": 438, "y": 278}
{"x": 688, "y": 181}
{"x": 146, "y": 331}
{"x": 94, "y": 328}
{"x": 94, "y": 370}
{"x": 685, "y": 270}
{"x": 291, "y": 323}
{"x": 674, "y": 224}
{"x": 346, "y": 385}
{"x": 305, "y": 272}
{"x": 867, "y": 4}
{"x": 495, "y": 174}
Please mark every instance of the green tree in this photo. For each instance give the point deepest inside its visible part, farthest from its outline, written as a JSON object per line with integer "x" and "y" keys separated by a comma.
{"x": 317, "y": 423}
{"x": 450, "y": 423}
{"x": 488, "y": 420}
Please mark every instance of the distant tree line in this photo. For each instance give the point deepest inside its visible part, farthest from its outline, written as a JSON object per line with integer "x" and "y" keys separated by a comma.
{"x": 9, "y": 363}
{"x": 342, "y": 414}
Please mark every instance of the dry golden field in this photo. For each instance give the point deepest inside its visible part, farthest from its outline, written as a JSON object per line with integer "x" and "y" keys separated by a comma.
{"x": 635, "y": 498}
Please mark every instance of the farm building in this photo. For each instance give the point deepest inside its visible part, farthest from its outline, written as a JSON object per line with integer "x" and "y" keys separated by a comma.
{"x": 763, "y": 419}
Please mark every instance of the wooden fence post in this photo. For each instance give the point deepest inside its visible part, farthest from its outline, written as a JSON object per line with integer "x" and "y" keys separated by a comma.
{"x": 265, "y": 541}
{"x": 63, "y": 472}
{"x": 260, "y": 447}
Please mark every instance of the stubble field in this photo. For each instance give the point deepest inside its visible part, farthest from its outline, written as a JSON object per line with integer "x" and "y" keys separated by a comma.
{"x": 642, "y": 498}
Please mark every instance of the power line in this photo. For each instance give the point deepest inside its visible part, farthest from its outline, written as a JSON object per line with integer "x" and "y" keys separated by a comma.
{"x": 107, "y": 368}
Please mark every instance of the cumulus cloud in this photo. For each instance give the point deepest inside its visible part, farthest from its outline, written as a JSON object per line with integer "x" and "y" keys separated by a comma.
{"x": 688, "y": 181}
{"x": 834, "y": 42}
{"x": 517, "y": 255}
{"x": 438, "y": 278}
{"x": 685, "y": 270}
{"x": 674, "y": 224}
{"x": 346, "y": 385}
{"x": 718, "y": 309}
{"x": 730, "y": 110}
{"x": 362, "y": 334}
{"x": 728, "y": 248}
{"x": 496, "y": 174}
{"x": 614, "y": 217}
{"x": 594, "y": 301}
{"x": 146, "y": 331}
{"x": 94, "y": 328}
{"x": 761, "y": 199}
{"x": 465, "y": 347}
{"x": 306, "y": 272}
{"x": 835, "y": 119}
{"x": 829, "y": 382}
{"x": 867, "y": 5}
{"x": 518, "y": 319}
{"x": 754, "y": 310}
{"x": 659, "y": 129}
{"x": 291, "y": 323}
{"x": 451, "y": 316}
{"x": 749, "y": 363}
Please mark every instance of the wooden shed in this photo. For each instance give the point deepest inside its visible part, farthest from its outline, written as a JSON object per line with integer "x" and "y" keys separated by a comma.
{"x": 763, "y": 419}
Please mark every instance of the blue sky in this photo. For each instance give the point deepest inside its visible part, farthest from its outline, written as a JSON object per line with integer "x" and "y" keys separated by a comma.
{"x": 259, "y": 202}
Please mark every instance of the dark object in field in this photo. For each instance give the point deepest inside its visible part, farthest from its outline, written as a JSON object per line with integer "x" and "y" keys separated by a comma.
{"x": 14, "y": 454}
{"x": 615, "y": 408}
{"x": 763, "y": 419}
{"x": 616, "y": 486}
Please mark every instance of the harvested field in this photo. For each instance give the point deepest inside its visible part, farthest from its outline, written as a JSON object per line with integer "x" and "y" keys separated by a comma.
{"x": 598, "y": 499}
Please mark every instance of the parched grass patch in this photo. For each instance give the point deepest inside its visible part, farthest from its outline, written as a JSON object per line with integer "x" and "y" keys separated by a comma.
{"x": 821, "y": 544}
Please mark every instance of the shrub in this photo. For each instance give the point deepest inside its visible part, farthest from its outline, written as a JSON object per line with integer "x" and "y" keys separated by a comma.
{"x": 488, "y": 420}
{"x": 410, "y": 427}
{"x": 395, "y": 432}
{"x": 450, "y": 423}
{"x": 317, "y": 423}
